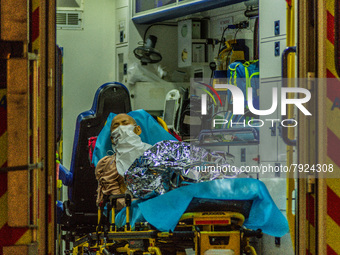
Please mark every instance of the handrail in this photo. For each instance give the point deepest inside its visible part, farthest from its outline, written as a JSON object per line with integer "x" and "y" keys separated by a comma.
{"x": 288, "y": 72}
{"x": 284, "y": 64}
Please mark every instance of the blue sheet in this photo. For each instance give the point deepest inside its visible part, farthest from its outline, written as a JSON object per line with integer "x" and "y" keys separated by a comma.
{"x": 164, "y": 212}
{"x": 152, "y": 133}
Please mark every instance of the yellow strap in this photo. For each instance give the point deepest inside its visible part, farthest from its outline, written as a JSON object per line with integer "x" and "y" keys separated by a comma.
{"x": 249, "y": 83}
{"x": 233, "y": 74}
{"x": 230, "y": 120}
{"x": 251, "y": 76}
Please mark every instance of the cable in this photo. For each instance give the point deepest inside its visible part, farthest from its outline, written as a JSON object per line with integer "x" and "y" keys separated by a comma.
{"x": 229, "y": 53}
{"x": 241, "y": 25}
{"x": 212, "y": 89}
{"x": 219, "y": 113}
{"x": 222, "y": 37}
{"x": 157, "y": 24}
{"x": 236, "y": 33}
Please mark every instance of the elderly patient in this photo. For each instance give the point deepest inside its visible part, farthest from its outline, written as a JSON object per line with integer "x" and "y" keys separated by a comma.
{"x": 127, "y": 146}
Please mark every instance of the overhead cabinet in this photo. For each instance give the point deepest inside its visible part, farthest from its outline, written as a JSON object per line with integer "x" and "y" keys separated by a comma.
{"x": 151, "y": 11}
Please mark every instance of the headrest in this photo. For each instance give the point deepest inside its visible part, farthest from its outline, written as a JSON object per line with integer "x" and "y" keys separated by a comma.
{"x": 152, "y": 133}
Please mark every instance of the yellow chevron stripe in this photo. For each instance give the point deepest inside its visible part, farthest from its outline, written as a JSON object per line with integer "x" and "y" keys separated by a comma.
{"x": 3, "y": 144}
{"x": 36, "y": 44}
{"x": 3, "y": 92}
{"x": 333, "y": 231}
{"x": 335, "y": 173}
{"x": 26, "y": 238}
{"x": 334, "y": 184}
{"x": 3, "y": 210}
{"x": 35, "y": 5}
{"x": 330, "y": 7}
{"x": 333, "y": 118}
{"x": 330, "y": 58}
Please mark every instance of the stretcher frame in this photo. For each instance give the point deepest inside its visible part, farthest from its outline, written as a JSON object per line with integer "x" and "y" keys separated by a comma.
{"x": 199, "y": 231}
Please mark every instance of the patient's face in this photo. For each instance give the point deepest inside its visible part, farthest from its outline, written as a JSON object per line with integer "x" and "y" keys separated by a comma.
{"x": 121, "y": 119}
{"x": 124, "y": 120}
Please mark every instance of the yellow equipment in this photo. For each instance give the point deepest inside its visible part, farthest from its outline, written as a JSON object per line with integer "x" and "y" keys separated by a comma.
{"x": 229, "y": 55}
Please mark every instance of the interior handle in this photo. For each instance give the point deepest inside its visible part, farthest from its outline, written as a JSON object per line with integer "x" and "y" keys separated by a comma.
{"x": 284, "y": 69}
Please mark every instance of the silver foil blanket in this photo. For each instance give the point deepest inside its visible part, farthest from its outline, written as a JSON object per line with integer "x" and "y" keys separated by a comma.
{"x": 170, "y": 164}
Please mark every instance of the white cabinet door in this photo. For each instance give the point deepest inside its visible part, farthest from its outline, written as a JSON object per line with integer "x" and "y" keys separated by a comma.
{"x": 270, "y": 58}
{"x": 122, "y": 25}
{"x": 270, "y": 12}
{"x": 269, "y": 131}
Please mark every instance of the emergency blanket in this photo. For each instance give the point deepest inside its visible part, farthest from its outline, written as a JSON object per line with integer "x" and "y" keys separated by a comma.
{"x": 171, "y": 164}
{"x": 164, "y": 211}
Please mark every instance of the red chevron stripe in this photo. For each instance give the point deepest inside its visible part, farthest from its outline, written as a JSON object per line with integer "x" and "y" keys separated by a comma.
{"x": 333, "y": 147}
{"x": 3, "y": 181}
{"x": 310, "y": 214}
{"x": 330, "y": 74}
{"x": 330, "y": 27}
{"x": 9, "y": 236}
{"x": 35, "y": 24}
{"x": 308, "y": 252}
{"x": 333, "y": 205}
{"x": 330, "y": 251}
{"x": 333, "y": 86}
{"x": 3, "y": 116}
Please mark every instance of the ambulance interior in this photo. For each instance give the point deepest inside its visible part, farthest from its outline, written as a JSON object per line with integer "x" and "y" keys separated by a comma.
{"x": 169, "y": 54}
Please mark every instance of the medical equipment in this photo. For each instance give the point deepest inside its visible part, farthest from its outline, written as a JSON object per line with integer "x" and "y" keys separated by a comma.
{"x": 147, "y": 53}
{"x": 172, "y": 103}
{"x": 241, "y": 141}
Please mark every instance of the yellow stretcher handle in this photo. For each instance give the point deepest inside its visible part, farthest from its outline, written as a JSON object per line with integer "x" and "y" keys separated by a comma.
{"x": 250, "y": 249}
{"x": 162, "y": 123}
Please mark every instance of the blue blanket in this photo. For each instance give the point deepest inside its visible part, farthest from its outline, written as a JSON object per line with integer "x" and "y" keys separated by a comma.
{"x": 164, "y": 212}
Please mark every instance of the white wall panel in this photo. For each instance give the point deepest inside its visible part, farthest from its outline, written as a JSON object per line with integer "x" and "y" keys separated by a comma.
{"x": 88, "y": 63}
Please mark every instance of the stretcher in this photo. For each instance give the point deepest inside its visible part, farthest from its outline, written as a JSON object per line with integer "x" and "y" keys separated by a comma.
{"x": 185, "y": 221}
{"x": 197, "y": 232}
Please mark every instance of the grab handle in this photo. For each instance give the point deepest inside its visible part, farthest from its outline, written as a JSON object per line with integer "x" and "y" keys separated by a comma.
{"x": 284, "y": 69}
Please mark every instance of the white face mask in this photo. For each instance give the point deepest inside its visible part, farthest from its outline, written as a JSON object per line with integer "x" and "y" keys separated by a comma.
{"x": 128, "y": 147}
{"x": 121, "y": 133}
